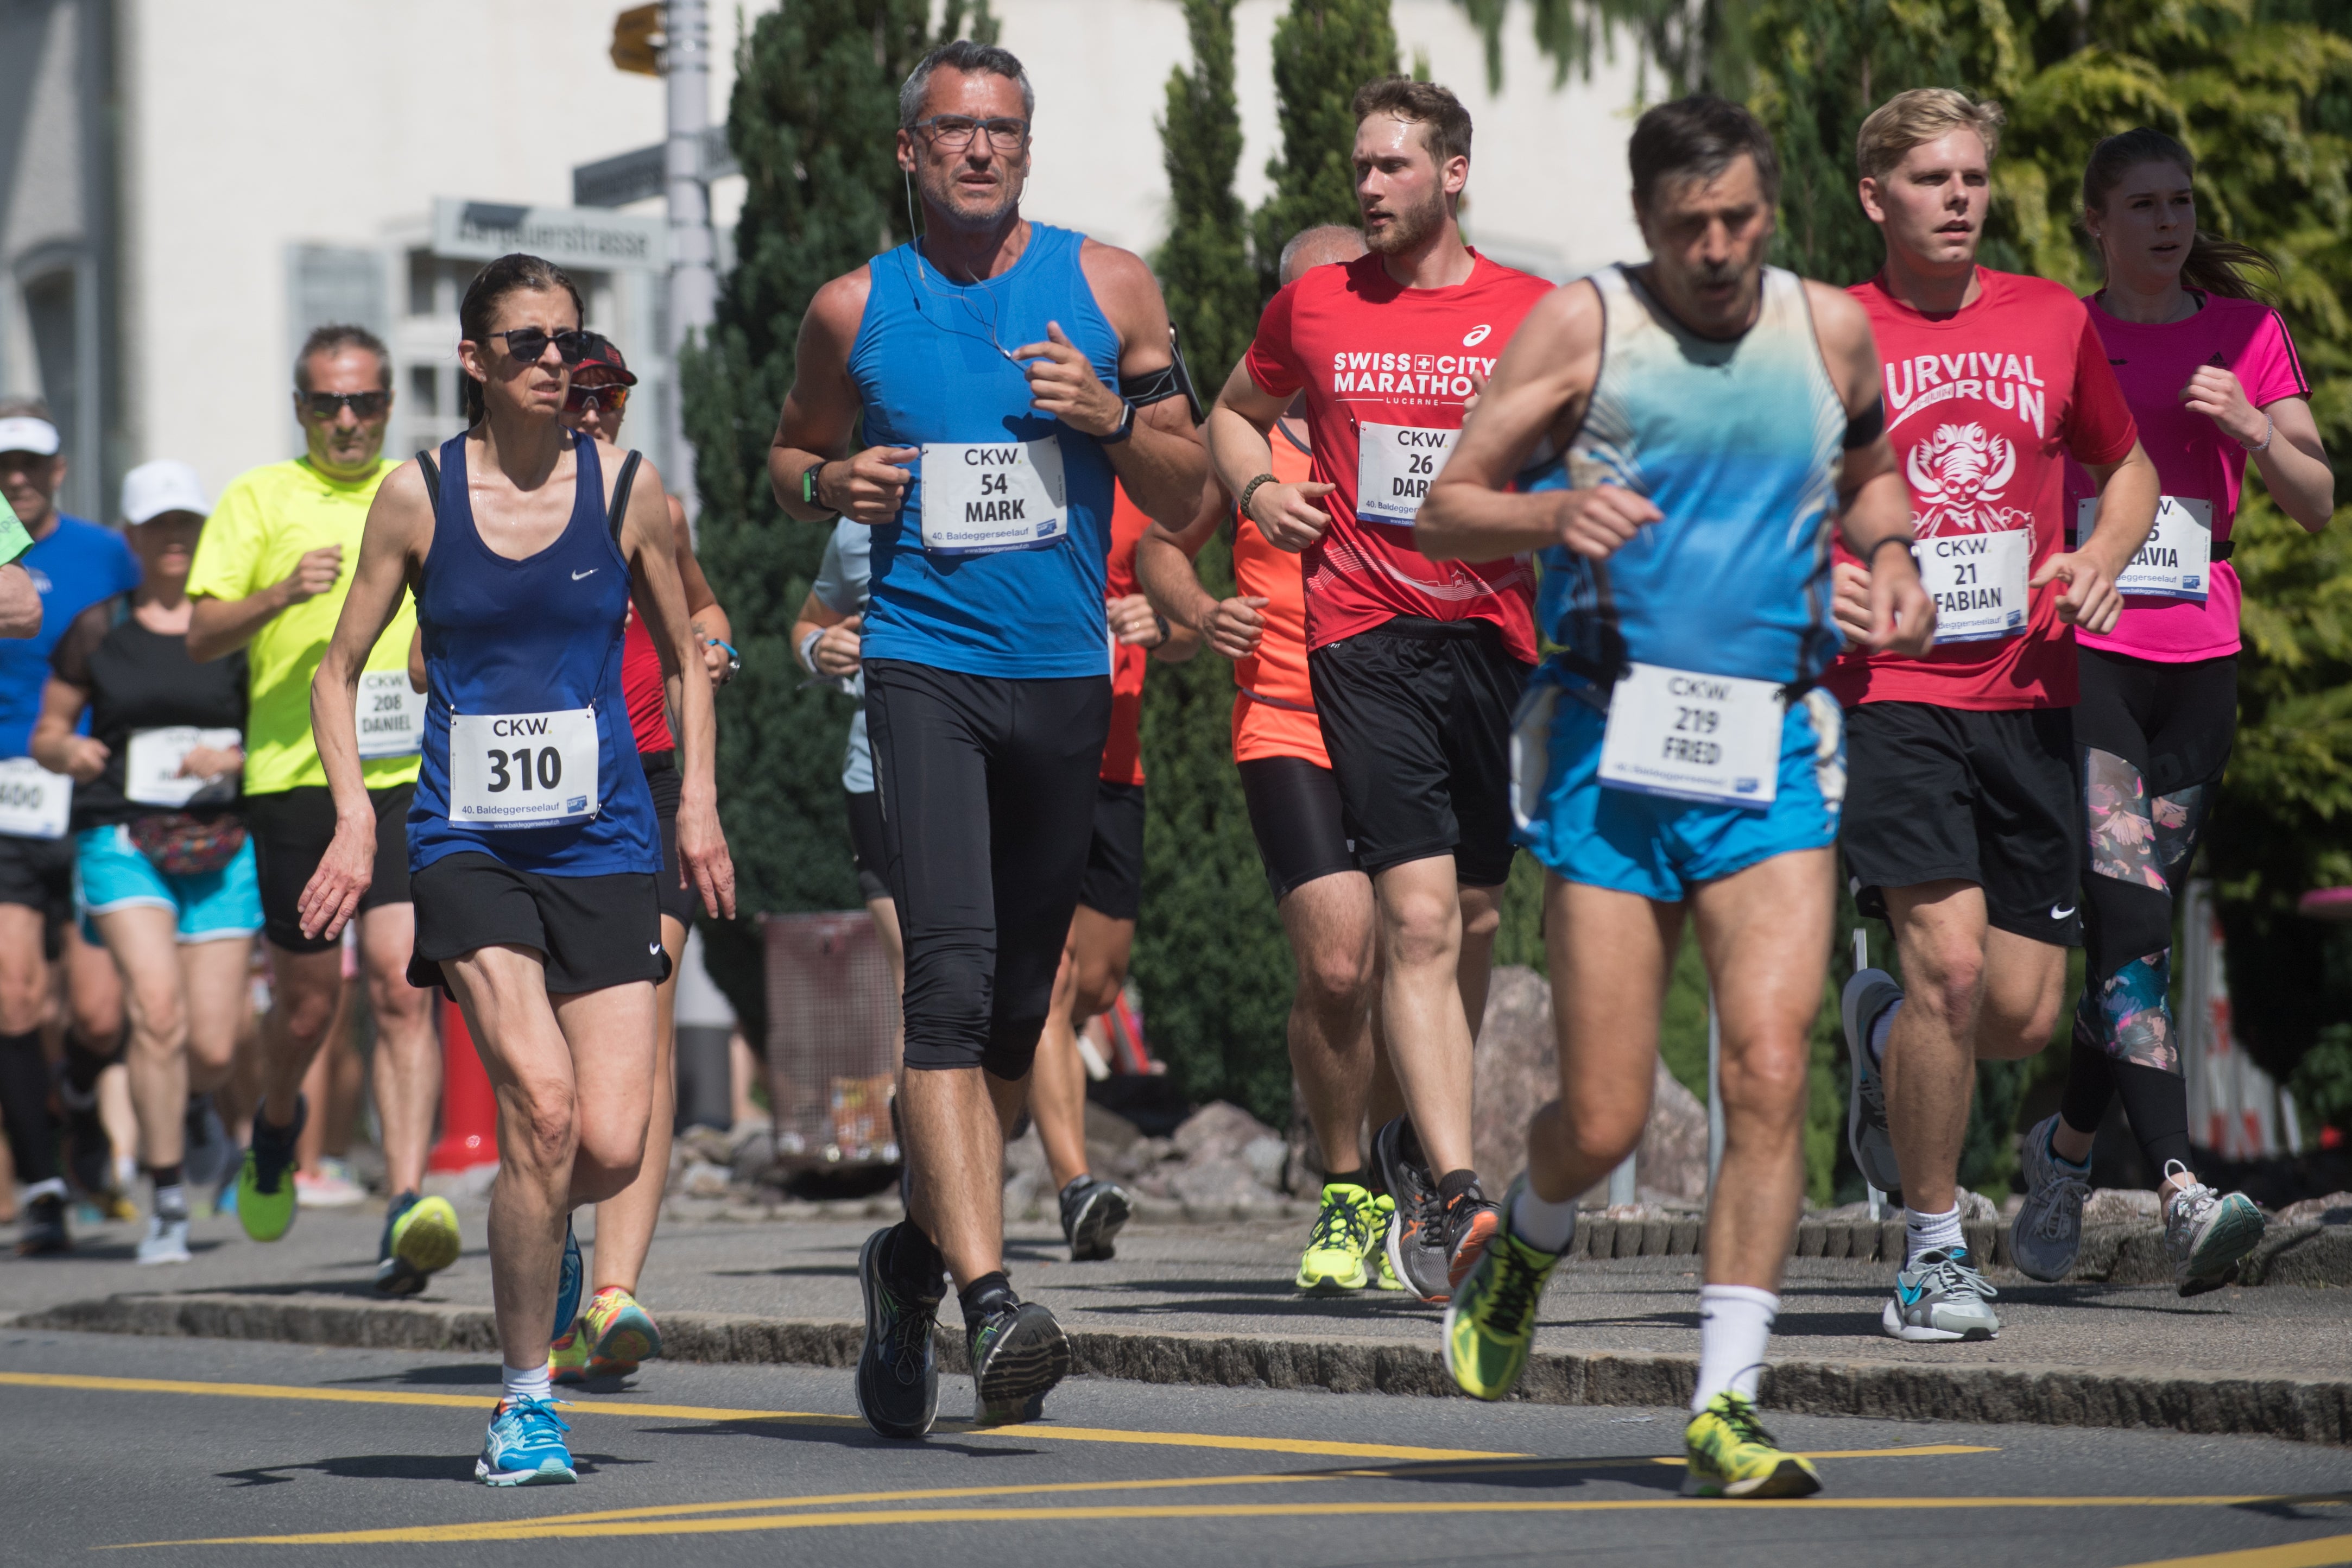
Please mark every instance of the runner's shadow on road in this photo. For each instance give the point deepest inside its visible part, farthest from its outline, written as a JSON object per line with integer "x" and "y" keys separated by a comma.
{"x": 472, "y": 1375}
{"x": 791, "y": 1271}
{"x": 1285, "y": 1304}
{"x": 850, "y": 1433}
{"x": 397, "y": 1468}
{"x": 1535, "y": 1473}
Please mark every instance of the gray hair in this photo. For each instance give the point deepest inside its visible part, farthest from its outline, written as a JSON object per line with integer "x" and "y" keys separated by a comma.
{"x": 971, "y": 58}
{"x": 1344, "y": 242}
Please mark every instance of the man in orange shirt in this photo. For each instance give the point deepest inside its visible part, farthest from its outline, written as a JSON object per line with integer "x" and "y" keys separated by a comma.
{"x": 1323, "y": 894}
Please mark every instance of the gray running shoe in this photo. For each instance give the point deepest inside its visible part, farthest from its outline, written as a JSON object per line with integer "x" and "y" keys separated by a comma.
{"x": 166, "y": 1240}
{"x": 1417, "y": 1239}
{"x": 1869, "y": 993}
{"x": 1093, "y": 1211}
{"x": 1941, "y": 1297}
{"x": 2205, "y": 1233}
{"x": 2047, "y": 1230}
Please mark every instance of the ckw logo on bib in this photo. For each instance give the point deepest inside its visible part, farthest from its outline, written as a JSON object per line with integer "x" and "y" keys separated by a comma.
{"x": 391, "y": 714}
{"x": 522, "y": 770}
{"x": 982, "y": 497}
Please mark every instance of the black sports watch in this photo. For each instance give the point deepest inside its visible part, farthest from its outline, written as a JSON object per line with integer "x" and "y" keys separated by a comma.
{"x": 1126, "y": 425}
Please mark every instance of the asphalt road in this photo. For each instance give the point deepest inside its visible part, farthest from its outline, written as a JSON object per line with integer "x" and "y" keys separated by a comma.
{"x": 217, "y": 1452}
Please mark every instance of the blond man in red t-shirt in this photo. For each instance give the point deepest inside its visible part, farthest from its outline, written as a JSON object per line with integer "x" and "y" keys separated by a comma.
{"x": 1960, "y": 826}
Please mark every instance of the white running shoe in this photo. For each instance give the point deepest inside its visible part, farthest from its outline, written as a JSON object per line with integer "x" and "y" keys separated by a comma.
{"x": 2205, "y": 1233}
{"x": 1941, "y": 1297}
{"x": 166, "y": 1240}
{"x": 2047, "y": 1230}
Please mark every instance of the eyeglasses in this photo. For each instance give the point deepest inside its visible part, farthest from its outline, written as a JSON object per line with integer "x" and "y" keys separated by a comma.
{"x": 612, "y": 399}
{"x": 364, "y": 406}
{"x": 529, "y": 344}
{"x": 954, "y": 132}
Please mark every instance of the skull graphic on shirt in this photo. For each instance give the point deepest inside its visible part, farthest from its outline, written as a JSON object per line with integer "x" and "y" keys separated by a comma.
{"x": 1958, "y": 477}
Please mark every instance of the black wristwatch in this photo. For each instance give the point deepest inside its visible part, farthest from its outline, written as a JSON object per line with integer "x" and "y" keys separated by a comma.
{"x": 808, "y": 485}
{"x": 1126, "y": 425}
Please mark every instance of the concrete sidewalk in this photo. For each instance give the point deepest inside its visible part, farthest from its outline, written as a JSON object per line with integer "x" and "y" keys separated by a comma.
{"x": 1213, "y": 1303}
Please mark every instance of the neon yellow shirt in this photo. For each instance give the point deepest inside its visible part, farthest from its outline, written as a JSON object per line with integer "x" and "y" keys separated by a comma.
{"x": 14, "y": 540}
{"x": 265, "y": 521}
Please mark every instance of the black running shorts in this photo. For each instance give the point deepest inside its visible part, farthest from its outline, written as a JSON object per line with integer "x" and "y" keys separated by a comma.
{"x": 1293, "y": 810}
{"x": 1113, "y": 882}
{"x": 865, "y": 809}
{"x": 1417, "y": 717}
{"x": 678, "y": 900}
{"x": 592, "y": 931}
{"x": 988, "y": 810}
{"x": 39, "y": 874}
{"x": 1939, "y": 794}
{"x": 291, "y": 831}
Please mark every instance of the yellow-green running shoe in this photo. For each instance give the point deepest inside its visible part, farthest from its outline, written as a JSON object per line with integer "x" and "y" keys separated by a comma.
{"x": 620, "y": 1332}
{"x": 1334, "y": 1258}
{"x": 420, "y": 1239}
{"x": 1383, "y": 1272}
{"x": 1731, "y": 1455}
{"x": 1490, "y": 1324}
{"x": 265, "y": 1215}
{"x": 567, "y": 1358}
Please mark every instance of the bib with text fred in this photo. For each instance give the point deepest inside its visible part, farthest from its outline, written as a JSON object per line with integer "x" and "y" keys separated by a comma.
{"x": 34, "y": 802}
{"x": 2177, "y": 561}
{"x": 1977, "y": 580}
{"x": 985, "y": 496}
{"x": 1713, "y": 739}
{"x": 522, "y": 770}
{"x": 391, "y": 714}
{"x": 1395, "y": 465}
{"x": 150, "y": 766}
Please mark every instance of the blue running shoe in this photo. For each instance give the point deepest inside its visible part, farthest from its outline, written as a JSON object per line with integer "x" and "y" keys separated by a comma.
{"x": 567, "y": 1286}
{"x": 524, "y": 1447}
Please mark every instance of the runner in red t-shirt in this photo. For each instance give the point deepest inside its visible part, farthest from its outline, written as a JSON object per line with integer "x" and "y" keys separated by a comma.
{"x": 1417, "y": 664}
{"x": 1959, "y": 818}
{"x": 1102, "y": 931}
{"x": 2214, "y": 378}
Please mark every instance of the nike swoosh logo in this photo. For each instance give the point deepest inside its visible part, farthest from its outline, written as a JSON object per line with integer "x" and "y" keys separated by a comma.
{"x": 2065, "y": 915}
{"x": 590, "y": 572}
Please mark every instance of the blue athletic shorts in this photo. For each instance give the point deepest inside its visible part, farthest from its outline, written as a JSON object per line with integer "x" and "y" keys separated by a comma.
{"x": 1651, "y": 844}
{"x": 110, "y": 874}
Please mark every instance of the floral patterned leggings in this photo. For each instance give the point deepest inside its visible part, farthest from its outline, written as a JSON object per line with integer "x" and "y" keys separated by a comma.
{"x": 2150, "y": 743}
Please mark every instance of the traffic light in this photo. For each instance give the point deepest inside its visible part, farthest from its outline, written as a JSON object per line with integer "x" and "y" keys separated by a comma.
{"x": 637, "y": 39}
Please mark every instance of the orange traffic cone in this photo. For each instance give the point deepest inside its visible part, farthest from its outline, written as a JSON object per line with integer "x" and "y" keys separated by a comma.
{"x": 469, "y": 1107}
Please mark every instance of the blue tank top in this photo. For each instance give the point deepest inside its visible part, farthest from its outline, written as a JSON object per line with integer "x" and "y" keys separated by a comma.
{"x": 927, "y": 368}
{"x": 77, "y": 566}
{"x": 1740, "y": 444}
{"x": 538, "y": 636}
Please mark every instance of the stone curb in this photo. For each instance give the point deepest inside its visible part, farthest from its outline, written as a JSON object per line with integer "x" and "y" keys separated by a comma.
{"x": 2313, "y": 1410}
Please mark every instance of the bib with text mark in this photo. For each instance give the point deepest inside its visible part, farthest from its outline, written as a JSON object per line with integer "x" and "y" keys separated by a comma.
{"x": 979, "y": 497}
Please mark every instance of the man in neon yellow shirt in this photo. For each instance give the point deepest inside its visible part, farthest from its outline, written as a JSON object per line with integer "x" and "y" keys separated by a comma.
{"x": 271, "y": 570}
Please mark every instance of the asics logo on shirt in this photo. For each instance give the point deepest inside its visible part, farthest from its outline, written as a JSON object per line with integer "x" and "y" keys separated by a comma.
{"x": 590, "y": 572}
{"x": 2005, "y": 381}
{"x": 1476, "y": 335}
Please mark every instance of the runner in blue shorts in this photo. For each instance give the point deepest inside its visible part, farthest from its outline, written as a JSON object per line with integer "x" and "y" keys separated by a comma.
{"x": 1686, "y": 435}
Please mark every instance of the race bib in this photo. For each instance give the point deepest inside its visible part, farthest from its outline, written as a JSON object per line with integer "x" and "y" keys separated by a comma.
{"x": 522, "y": 770}
{"x": 1395, "y": 465}
{"x": 1977, "y": 580}
{"x": 2177, "y": 561}
{"x": 1714, "y": 739}
{"x": 391, "y": 714}
{"x": 981, "y": 499}
{"x": 34, "y": 802}
{"x": 150, "y": 766}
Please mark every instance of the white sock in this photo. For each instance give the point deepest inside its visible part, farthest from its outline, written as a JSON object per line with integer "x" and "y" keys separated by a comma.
{"x": 1880, "y": 1027}
{"x": 1546, "y": 1227}
{"x": 530, "y": 1385}
{"x": 1734, "y": 1323}
{"x": 55, "y": 1187}
{"x": 1930, "y": 1233}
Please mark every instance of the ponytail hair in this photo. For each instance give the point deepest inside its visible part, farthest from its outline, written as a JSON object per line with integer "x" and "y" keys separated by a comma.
{"x": 2215, "y": 265}
{"x": 492, "y": 284}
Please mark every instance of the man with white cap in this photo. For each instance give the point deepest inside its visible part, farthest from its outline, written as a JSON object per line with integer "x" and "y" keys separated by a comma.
{"x": 67, "y": 566}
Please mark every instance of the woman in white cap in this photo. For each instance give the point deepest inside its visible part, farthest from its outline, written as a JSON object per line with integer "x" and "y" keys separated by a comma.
{"x": 166, "y": 876}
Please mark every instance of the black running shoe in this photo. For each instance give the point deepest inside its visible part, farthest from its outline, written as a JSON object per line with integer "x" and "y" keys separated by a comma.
{"x": 1417, "y": 1239}
{"x": 43, "y": 1232}
{"x": 1092, "y": 1212}
{"x": 1018, "y": 1353}
{"x": 89, "y": 1153}
{"x": 898, "y": 1377}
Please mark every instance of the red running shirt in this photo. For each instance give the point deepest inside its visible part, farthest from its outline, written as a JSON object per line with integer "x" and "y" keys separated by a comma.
{"x": 1123, "y": 753}
{"x": 1984, "y": 407}
{"x": 1387, "y": 370}
{"x": 641, "y": 684}
{"x": 1274, "y": 710}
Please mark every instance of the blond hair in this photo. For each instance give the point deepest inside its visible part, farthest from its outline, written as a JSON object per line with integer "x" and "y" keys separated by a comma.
{"x": 1922, "y": 115}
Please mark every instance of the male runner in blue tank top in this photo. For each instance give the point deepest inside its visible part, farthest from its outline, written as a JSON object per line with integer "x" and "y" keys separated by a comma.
{"x": 1718, "y": 417}
{"x": 1002, "y": 371}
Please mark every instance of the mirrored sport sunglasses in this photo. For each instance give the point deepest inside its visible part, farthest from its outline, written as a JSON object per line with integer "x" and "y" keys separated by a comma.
{"x": 325, "y": 405}
{"x": 612, "y": 399}
{"x": 529, "y": 344}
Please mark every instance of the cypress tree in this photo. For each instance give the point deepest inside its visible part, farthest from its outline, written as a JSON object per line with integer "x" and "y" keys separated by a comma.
{"x": 1323, "y": 51}
{"x": 812, "y": 122}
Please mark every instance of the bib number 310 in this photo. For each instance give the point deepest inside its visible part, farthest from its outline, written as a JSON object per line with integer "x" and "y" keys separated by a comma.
{"x": 522, "y": 770}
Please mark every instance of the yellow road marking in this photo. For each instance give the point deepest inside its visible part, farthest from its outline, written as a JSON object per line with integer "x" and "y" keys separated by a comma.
{"x": 562, "y": 1527}
{"x": 2323, "y": 1554}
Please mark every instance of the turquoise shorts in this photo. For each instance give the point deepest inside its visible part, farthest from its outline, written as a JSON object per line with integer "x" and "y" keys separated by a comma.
{"x": 111, "y": 874}
{"x": 1657, "y": 846}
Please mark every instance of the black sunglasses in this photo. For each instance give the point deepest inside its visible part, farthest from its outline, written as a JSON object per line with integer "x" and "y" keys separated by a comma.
{"x": 529, "y": 343}
{"x": 325, "y": 405}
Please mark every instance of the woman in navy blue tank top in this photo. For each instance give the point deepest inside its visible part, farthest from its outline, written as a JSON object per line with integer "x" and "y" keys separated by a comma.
{"x": 532, "y": 844}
